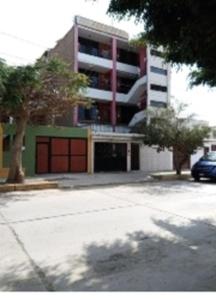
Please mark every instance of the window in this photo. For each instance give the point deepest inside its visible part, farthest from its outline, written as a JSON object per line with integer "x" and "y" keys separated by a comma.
{"x": 88, "y": 114}
{"x": 158, "y": 104}
{"x": 125, "y": 113}
{"x": 155, "y": 52}
{"x": 158, "y": 70}
{"x": 128, "y": 57}
{"x": 213, "y": 147}
{"x": 124, "y": 84}
{"x": 88, "y": 46}
{"x": 93, "y": 77}
{"x": 210, "y": 156}
{"x": 159, "y": 88}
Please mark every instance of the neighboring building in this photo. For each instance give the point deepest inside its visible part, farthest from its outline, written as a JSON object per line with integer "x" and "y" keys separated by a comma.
{"x": 124, "y": 81}
{"x": 47, "y": 149}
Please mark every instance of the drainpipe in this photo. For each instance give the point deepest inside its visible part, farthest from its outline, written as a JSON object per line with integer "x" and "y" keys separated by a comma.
{"x": 114, "y": 83}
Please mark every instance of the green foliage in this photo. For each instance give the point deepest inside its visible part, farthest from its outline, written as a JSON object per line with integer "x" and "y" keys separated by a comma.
{"x": 4, "y": 72}
{"x": 46, "y": 88}
{"x": 185, "y": 28}
{"x": 167, "y": 129}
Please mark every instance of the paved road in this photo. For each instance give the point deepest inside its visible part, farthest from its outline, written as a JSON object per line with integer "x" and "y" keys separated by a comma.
{"x": 142, "y": 237}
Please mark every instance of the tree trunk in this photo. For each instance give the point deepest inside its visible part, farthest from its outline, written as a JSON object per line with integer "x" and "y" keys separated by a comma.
{"x": 16, "y": 174}
{"x": 178, "y": 170}
{"x": 177, "y": 164}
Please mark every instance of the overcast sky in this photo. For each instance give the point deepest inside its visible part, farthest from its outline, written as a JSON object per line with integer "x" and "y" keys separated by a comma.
{"x": 28, "y": 27}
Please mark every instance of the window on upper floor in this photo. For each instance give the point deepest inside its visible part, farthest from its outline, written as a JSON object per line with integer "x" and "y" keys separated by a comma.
{"x": 88, "y": 46}
{"x": 88, "y": 114}
{"x": 155, "y": 52}
{"x": 128, "y": 57}
{"x": 97, "y": 80}
{"x": 124, "y": 84}
{"x": 158, "y": 70}
{"x": 159, "y": 88}
{"x": 158, "y": 104}
{"x": 125, "y": 113}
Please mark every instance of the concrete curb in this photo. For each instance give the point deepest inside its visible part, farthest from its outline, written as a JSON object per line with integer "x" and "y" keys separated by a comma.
{"x": 99, "y": 185}
{"x": 171, "y": 176}
{"x": 28, "y": 186}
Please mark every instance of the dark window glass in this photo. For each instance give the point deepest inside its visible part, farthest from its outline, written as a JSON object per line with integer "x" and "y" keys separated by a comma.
{"x": 88, "y": 46}
{"x": 88, "y": 114}
{"x": 160, "y": 104}
{"x": 158, "y": 70}
{"x": 93, "y": 77}
{"x": 155, "y": 52}
{"x": 127, "y": 57}
{"x": 159, "y": 88}
{"x": 125, "y": 114}
{"x": 124, "y": 84}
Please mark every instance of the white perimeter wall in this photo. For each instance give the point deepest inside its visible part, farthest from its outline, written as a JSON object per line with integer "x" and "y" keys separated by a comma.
{"x": 195, "y": 157}
{"x": 151, "y": 160}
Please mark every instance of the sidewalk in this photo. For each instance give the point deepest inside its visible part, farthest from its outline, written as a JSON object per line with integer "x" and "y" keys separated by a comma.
{"x": 86, "y": 180}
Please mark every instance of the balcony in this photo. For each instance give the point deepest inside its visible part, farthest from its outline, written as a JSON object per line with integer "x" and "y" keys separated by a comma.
{"x": 95, "y": 51}
{"x": 106, "y": 128}
{"x": 94, "y": 61}
{"x": 95, "y": 93}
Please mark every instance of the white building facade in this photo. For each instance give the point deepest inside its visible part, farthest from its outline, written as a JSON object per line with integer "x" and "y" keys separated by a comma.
{"x": 124, "y": 82}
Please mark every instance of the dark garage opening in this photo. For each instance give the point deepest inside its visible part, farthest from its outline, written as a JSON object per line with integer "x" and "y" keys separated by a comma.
{"x": 110, "y": 157}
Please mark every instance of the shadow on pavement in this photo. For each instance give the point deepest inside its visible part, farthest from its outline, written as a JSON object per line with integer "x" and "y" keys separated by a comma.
{"x": 183, "y": 258}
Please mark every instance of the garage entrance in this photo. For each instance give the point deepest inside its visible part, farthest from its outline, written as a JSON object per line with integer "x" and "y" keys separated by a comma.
{"x": 60, "y": 155}
{"x": 110, "y": 157}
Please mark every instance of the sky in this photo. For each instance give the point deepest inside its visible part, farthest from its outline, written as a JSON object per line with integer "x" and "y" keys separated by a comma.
{"x": 28, "y": 28}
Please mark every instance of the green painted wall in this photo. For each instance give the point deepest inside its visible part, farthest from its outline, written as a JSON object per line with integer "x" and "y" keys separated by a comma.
{"x": 29, "y": 154}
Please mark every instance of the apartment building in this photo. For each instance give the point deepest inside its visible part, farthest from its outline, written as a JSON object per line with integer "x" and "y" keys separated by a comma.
{"x": 124, "y": 81}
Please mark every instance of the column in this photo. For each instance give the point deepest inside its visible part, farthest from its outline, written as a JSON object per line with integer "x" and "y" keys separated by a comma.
{"x": 143, "y": 70}
{"x": 128, "y": 157}
{"x": 142, "y": 61}
{"x": 75, "y": 69}
{"x": 114, "y": 83}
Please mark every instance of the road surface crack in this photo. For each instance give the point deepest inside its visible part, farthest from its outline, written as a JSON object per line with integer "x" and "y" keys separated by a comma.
{"x": 39, "y": 272}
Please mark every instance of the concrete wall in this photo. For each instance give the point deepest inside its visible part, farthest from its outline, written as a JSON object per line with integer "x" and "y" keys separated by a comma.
{"x": 158, "y": 79}
{"x": 195, "y": 157}
{"x": 64, "y": 48}
{"x": 151, "y": 160}
{"x": 29, "y": 152}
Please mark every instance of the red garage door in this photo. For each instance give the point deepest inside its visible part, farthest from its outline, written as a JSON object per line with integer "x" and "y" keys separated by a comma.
{"x": 61, "y": 155}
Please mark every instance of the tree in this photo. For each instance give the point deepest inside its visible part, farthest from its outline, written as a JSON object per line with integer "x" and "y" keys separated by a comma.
{"x": 167, "y": 129}
{"x": 185, "y": 28}
{"x": 47, "y": 88}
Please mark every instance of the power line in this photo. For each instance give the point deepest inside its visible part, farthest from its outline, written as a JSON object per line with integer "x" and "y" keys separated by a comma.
{"x": 23, "y": 40}
{"x": 14, "y": 56}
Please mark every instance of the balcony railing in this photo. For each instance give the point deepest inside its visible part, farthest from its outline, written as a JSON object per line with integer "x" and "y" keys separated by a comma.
{"x": 105, "y": 128}
{"x": 95, "y": 51}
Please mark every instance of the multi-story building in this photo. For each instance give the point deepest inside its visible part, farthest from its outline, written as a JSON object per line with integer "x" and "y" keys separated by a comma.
{"x": 124, "y": 81}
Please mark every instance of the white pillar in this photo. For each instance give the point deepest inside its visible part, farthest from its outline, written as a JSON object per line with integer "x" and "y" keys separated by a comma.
{"x": 128, "y": 157}
{"x": 92, "y": 156}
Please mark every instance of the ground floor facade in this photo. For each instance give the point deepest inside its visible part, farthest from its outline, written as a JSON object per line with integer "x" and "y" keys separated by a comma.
{"x": 50, "y": 150}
